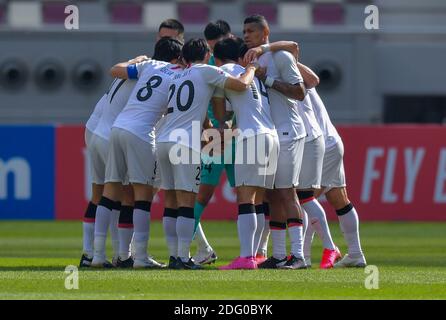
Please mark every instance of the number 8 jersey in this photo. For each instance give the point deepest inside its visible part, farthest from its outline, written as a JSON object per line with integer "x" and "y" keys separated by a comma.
{"x": 148, "y": 100}
{"x": 189, "y": 94}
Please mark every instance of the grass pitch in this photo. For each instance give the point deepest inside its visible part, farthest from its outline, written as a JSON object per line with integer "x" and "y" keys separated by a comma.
{"x": 411, "y": 260}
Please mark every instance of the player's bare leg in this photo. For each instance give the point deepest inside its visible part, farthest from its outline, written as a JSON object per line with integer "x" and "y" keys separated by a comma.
{"x": 88, "y": 225}
{"x": 316, "y": 215}
{"x": 349, "y": 223}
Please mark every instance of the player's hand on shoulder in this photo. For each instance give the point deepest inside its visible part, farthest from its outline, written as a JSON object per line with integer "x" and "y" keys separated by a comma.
{"x": 139, "y": 59}
{"x": 252, "y": 54}
{"x": 254, "y": 65}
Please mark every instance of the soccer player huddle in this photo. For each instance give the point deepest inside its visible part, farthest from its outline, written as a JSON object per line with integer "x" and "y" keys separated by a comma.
{"x": 176, "y": 120}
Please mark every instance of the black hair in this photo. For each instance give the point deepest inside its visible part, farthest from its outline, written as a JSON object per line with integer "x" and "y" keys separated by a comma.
{"x": 195, "y": 50}
{"x": 215, "y": 30}
{"x": 224, "y": 26}
{"x": 172, "y": 24}
{"x": 229, "y": 49}
{"x": 167, "y": 49}
{"x": 258, "y": 19}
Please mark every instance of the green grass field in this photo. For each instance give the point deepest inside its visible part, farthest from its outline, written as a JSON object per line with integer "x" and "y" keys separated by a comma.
{"x": 411, "y": 259}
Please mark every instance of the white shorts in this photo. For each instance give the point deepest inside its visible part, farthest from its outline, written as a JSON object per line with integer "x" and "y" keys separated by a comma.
{"x": 98, "y": 150}
{"x": 256, "y": 161}
{"x": 178, "y": 176}
{"x": 312, "y": 162}
{"x": 289, "y": 164}
{"x": 87, "y": 136}
{"x": 333, "y": 174}
{"x": 130, "y": 158}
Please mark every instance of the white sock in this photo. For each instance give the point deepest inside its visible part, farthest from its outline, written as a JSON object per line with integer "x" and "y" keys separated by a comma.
{"x": 170, "y": 231}
{"x": 125, "y": 238}
{"x": 315, "y": 211}
{"x": 296, "y": 238}
{"x": 114, "y": 221}
{"x": 125, "y": 232}
{"x": 141, "y": 225}
{"x": 200, "y": 239}
{"x": 278, "y": 235}
{"x": 246, "y": 227}
{"x": 102, "y": 222}
{"x": 263, "y": 246}
{"x": 308, "y": 239}
{"x": 260, "y": 226}
{"x": 259, "y": 231}
{"x": 349, "y": 223}
{"x": 305, "y": 222}
{"x": 185, "y": 231}
{"x": 88, "y": 238}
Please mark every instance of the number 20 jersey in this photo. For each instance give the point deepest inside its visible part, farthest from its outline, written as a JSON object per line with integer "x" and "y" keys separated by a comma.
{"x": 189, "y": 96}
{"x": 148, "y": 100}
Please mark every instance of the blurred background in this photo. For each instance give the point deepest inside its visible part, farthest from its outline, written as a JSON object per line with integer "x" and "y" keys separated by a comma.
{"x": 385, "y": 90}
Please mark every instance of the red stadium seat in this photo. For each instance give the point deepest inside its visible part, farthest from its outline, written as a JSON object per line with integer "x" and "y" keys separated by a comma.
{"x": 126, "y": 12}
{"x": 53, "y": 12}
{"x": 328, "y": 13}
{"x": 268, "y": 10}
{"x": 193, "y": 12}
{"x": 2, "y": 13}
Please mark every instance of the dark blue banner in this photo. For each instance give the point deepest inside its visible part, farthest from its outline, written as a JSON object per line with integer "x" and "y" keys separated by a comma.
{"x": 27, "y": 172}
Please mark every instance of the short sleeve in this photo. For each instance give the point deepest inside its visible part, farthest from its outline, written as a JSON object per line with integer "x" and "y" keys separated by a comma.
{"x": 134, "y": 70}
{"x": 215, "y": 76}
{"x": 287, "y": 67}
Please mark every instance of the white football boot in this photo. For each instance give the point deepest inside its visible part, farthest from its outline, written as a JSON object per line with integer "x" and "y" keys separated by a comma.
{"x": 348, "y": 262}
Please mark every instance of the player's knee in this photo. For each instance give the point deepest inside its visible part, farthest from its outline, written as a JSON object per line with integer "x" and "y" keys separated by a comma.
{"x": 337, "y": 198}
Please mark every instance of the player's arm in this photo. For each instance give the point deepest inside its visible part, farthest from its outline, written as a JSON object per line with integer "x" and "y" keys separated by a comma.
{"x": 242, "y": 82}
{"x": 122, "y": 71}
{"x": 311, "y": 79}
{"x": 290, "y": 46}
{"x": 294, "y": 91}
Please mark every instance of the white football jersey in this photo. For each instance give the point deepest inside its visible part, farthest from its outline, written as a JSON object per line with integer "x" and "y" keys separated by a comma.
{"x": 92, "y": 122}
{"x": 311, "y": 125}
{"x": 331, "y": 135}
{"x": 189, "y": 94}
{"x": 148, "y": 100}
{"x": 117, "y": 97}
{"x": 282, "y": 66}
{"x": 251, "y": 107}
